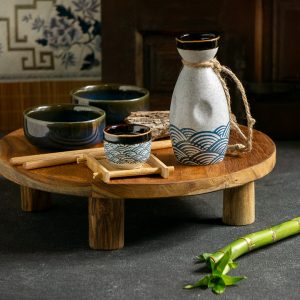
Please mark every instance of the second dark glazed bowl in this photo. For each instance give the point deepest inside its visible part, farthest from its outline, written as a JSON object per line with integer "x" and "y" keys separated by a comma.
{"x": 64, "y": 126}
{"x": 118, "y": 101}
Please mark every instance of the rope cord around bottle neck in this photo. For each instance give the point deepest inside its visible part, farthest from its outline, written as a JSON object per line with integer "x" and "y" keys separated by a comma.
{"x": 218, "y": 69}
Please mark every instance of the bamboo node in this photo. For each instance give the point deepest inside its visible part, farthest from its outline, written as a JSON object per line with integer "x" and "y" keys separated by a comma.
{"x": 298, "y": 221}
{"x": 249, "y": 242}
{"x": 274, "y": 235}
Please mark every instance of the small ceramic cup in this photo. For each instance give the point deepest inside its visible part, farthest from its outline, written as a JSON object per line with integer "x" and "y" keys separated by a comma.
{"x": 127, "y": 146}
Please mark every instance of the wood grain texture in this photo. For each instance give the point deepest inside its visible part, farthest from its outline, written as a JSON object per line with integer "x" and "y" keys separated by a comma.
{"x": 17, "y": 96}
{"x": 76, "y": 179}
{"x": 34, "y": 200}
{"x": 147, "y": 30}
{"x": 239, "y": 205}
{"x": 106, "y": 223}
{"x": 257, "y": 44}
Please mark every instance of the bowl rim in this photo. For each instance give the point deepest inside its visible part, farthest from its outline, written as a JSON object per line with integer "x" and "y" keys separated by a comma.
{"x": 127, "y": 138}
{"x": 198, "y": 41}
{"x": 101, "y": 116}
{"x": 111, "y": 86}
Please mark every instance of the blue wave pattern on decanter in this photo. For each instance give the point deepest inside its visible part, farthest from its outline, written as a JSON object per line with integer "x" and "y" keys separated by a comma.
{"x": 199, "y": 148}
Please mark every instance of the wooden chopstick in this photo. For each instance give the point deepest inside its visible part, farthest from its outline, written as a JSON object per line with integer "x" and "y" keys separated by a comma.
{"x": 58, "y": 158}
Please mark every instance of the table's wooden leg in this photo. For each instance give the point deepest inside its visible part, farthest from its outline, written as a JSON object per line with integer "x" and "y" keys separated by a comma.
{"x": 106, "y": 223}
{"x": 34, "y": 200}
{"x": 239, "y": 205}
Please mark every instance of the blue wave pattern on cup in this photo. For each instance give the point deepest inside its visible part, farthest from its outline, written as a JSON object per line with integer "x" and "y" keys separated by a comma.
{"x": 200, "y": 148}
{"x": 127, "y": 155}
{"x": 127, "y": 146}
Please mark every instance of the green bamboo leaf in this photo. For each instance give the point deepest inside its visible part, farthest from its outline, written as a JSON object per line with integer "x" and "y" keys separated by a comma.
{"x": 230, "y": 266}
{"x": 233, "y": 265}
{"x": 203, "y": 282}
{"x": 231, "y": 280}
{"x": 219, "y": 288}
{"x": 211, "y": 263}
{"x": 217, "y": 284}
{"x": 203, "y": 257}
{"x": 199, "y": 259}
{"x": 221, "y": 265}
{"x": 212, "y": 280}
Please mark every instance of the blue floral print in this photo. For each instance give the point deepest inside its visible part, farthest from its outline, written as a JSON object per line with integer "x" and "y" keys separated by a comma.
{"x": 78, "y": 25}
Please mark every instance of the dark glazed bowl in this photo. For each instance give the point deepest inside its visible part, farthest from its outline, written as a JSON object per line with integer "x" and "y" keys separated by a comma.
{"x": 64, "y": 126}
{"x": 118, "y": 101}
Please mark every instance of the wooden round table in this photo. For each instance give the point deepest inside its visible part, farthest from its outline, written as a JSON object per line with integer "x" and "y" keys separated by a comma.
{"x": 235, "y": 175}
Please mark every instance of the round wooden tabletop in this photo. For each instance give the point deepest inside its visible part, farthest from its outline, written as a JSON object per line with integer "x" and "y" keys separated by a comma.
{"x": 76, "y": 179}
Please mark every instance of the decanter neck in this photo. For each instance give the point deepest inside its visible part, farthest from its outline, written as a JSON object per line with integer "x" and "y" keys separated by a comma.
{"x": 197, "y": 56}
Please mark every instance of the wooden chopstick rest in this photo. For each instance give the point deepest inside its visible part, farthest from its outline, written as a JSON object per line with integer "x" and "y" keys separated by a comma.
{"x": 99, "y": 169}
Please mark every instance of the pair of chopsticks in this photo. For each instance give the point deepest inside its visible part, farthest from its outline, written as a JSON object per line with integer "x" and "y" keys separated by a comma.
{"x": 30, "y": 162}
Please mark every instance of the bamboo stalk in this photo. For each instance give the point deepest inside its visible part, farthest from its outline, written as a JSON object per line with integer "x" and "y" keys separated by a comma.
{"x": 221, "y": 261}
{"x": 58, "y": 158}
{"x": 258, "y": 239}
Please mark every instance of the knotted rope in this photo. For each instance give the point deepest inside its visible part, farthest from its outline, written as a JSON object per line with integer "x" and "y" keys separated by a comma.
{"x": 218, "y": 69}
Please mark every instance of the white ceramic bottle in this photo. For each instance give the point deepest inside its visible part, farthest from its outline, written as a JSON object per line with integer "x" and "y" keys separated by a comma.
{"x": 199, "y": 117}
